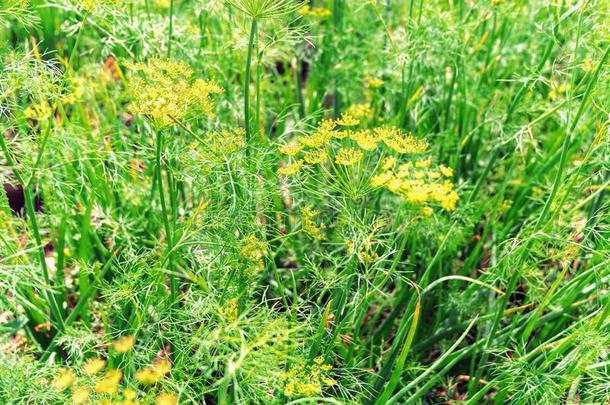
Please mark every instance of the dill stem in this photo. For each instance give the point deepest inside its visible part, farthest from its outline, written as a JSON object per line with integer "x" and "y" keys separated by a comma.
{"x": 170, "y": 29}
{"x": 253, "y": 30}
{"x": 166, "y": 225}
{"x": 77, "y": 41}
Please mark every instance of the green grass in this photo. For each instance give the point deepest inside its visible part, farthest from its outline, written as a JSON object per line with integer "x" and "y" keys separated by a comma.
{"x": 451, "y": 244}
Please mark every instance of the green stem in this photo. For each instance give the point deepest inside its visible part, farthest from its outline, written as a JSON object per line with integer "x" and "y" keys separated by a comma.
{"x": 253, "y": 31}
{"x": 164, "y": 214}
{"x": 170, "y": 29}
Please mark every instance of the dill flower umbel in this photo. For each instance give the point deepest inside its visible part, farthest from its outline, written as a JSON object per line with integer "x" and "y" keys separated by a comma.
{"x": 64, "y": 379}
{"x": 399, "y": 141}
{"x": 309, "y": 225}
{"x": 373, "y": 82}
{"x": 80, "y": 395}
{"x": 109, "y": 383}
{"x": 154, "y": 373}
{"x": 253, "y": 248}
{"x": 364, "y": 139}
{"x": 291, "y": 169}
{"x": 359, "y": 111}
{"x": 165, "y": 91}
{"x": 124, "y": 344}
{"x": 314, "y": 12}
{"x": 166, "y": 398}
{"x": 292, "y": 149}
{"x": 348, "y": 120}
{"x": 315, "y": 156}
{"x": 307, "y": 380}
{"x": 93, "y": 366}
{"x": 419, "y": 183}
{"x": 348, "y": 156}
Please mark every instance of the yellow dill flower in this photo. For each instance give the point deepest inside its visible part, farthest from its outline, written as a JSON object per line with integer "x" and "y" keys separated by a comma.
{"x": 93, "y": 366}
{"x": 381, "y": 179}
{"x": 166, "y": 398}
{"x": 315, "y": 140}
{"x": 394, "y": 184}
{"x": 124, "y": 344}
{"x": 109, "y": 383}
{"x": 449, "y": 199}
{"x": 400, "y": 142}
{"x": 417, "y": 194}
{"x": 129, "y": 394}
{"x": 39, "y": 112}
{"x": 253, "y": 248}
{"x": 291, "y": 169}
{"x": 348, "y": 156}
{"x": 219, "y": 144}
{"x": 347, "y": 120}
{"x": 419, "y": 185}
{"x": 341, "y": 134}
{"x": 291, "y": 150}
{"x": 309, "y": 225}
{"x": 446, "y": 171}
{"x": 327, "y": 125}
{"x": 289, "y": 389}
{"x": 64, "y": 379}
{"x": 307, "y": 380}
{"x": 359, "y": 111}
{"x": 154, "y": 373}
{"x": 427, "y": 211}
{"x": 315, "y": 156}
{"x": 423, "y": 163}
{"x": 373, "y": 82}
{"x": 388, "y": 163}
{"x": 80, "y": 395}
{"x": 315, "y": 12}
{"x": 166, "y": 91}
{"x": 201, "y": 91}
{"x": 364, "y": 139}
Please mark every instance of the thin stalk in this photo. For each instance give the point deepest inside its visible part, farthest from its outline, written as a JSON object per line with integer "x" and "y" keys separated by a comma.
{"x": 170, "y": 31}
{"x": 164, "y": 214}
{"x": 253, "y": 31}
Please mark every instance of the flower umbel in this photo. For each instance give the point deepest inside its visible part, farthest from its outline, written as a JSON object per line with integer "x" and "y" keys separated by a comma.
{"x": 166, "y": 92}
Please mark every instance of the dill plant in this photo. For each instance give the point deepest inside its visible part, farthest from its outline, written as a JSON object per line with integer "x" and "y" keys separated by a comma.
{"x": 284, "y": 202}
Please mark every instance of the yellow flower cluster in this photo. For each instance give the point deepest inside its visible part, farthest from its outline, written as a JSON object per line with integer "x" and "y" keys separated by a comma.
{"x": 359, "y": 111}
{"x": 419, "y": 182}
{"x": 154, "y": 373}
{"x": 309, "y": 225}
{"x": 314, "y": 12}
{"x": 253, "y": 249}
{"x": 347, "y": 142}
{"x": 165, "y": 91}
{"x": 90, "y": 6}
{"x": 373, "y": 82}
{"x": 166, "y": 398}
{"x": 124, "y": 344}
{"x": 108, "y": 384}
{"x": 352, "y": 142}
{"x": 39, "y": 112}
{"x": 307, "y": 380}
{"x": 365, "y": 252}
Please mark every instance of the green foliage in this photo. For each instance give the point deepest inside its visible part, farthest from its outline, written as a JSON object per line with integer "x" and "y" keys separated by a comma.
{"x": 282, "y": 202}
